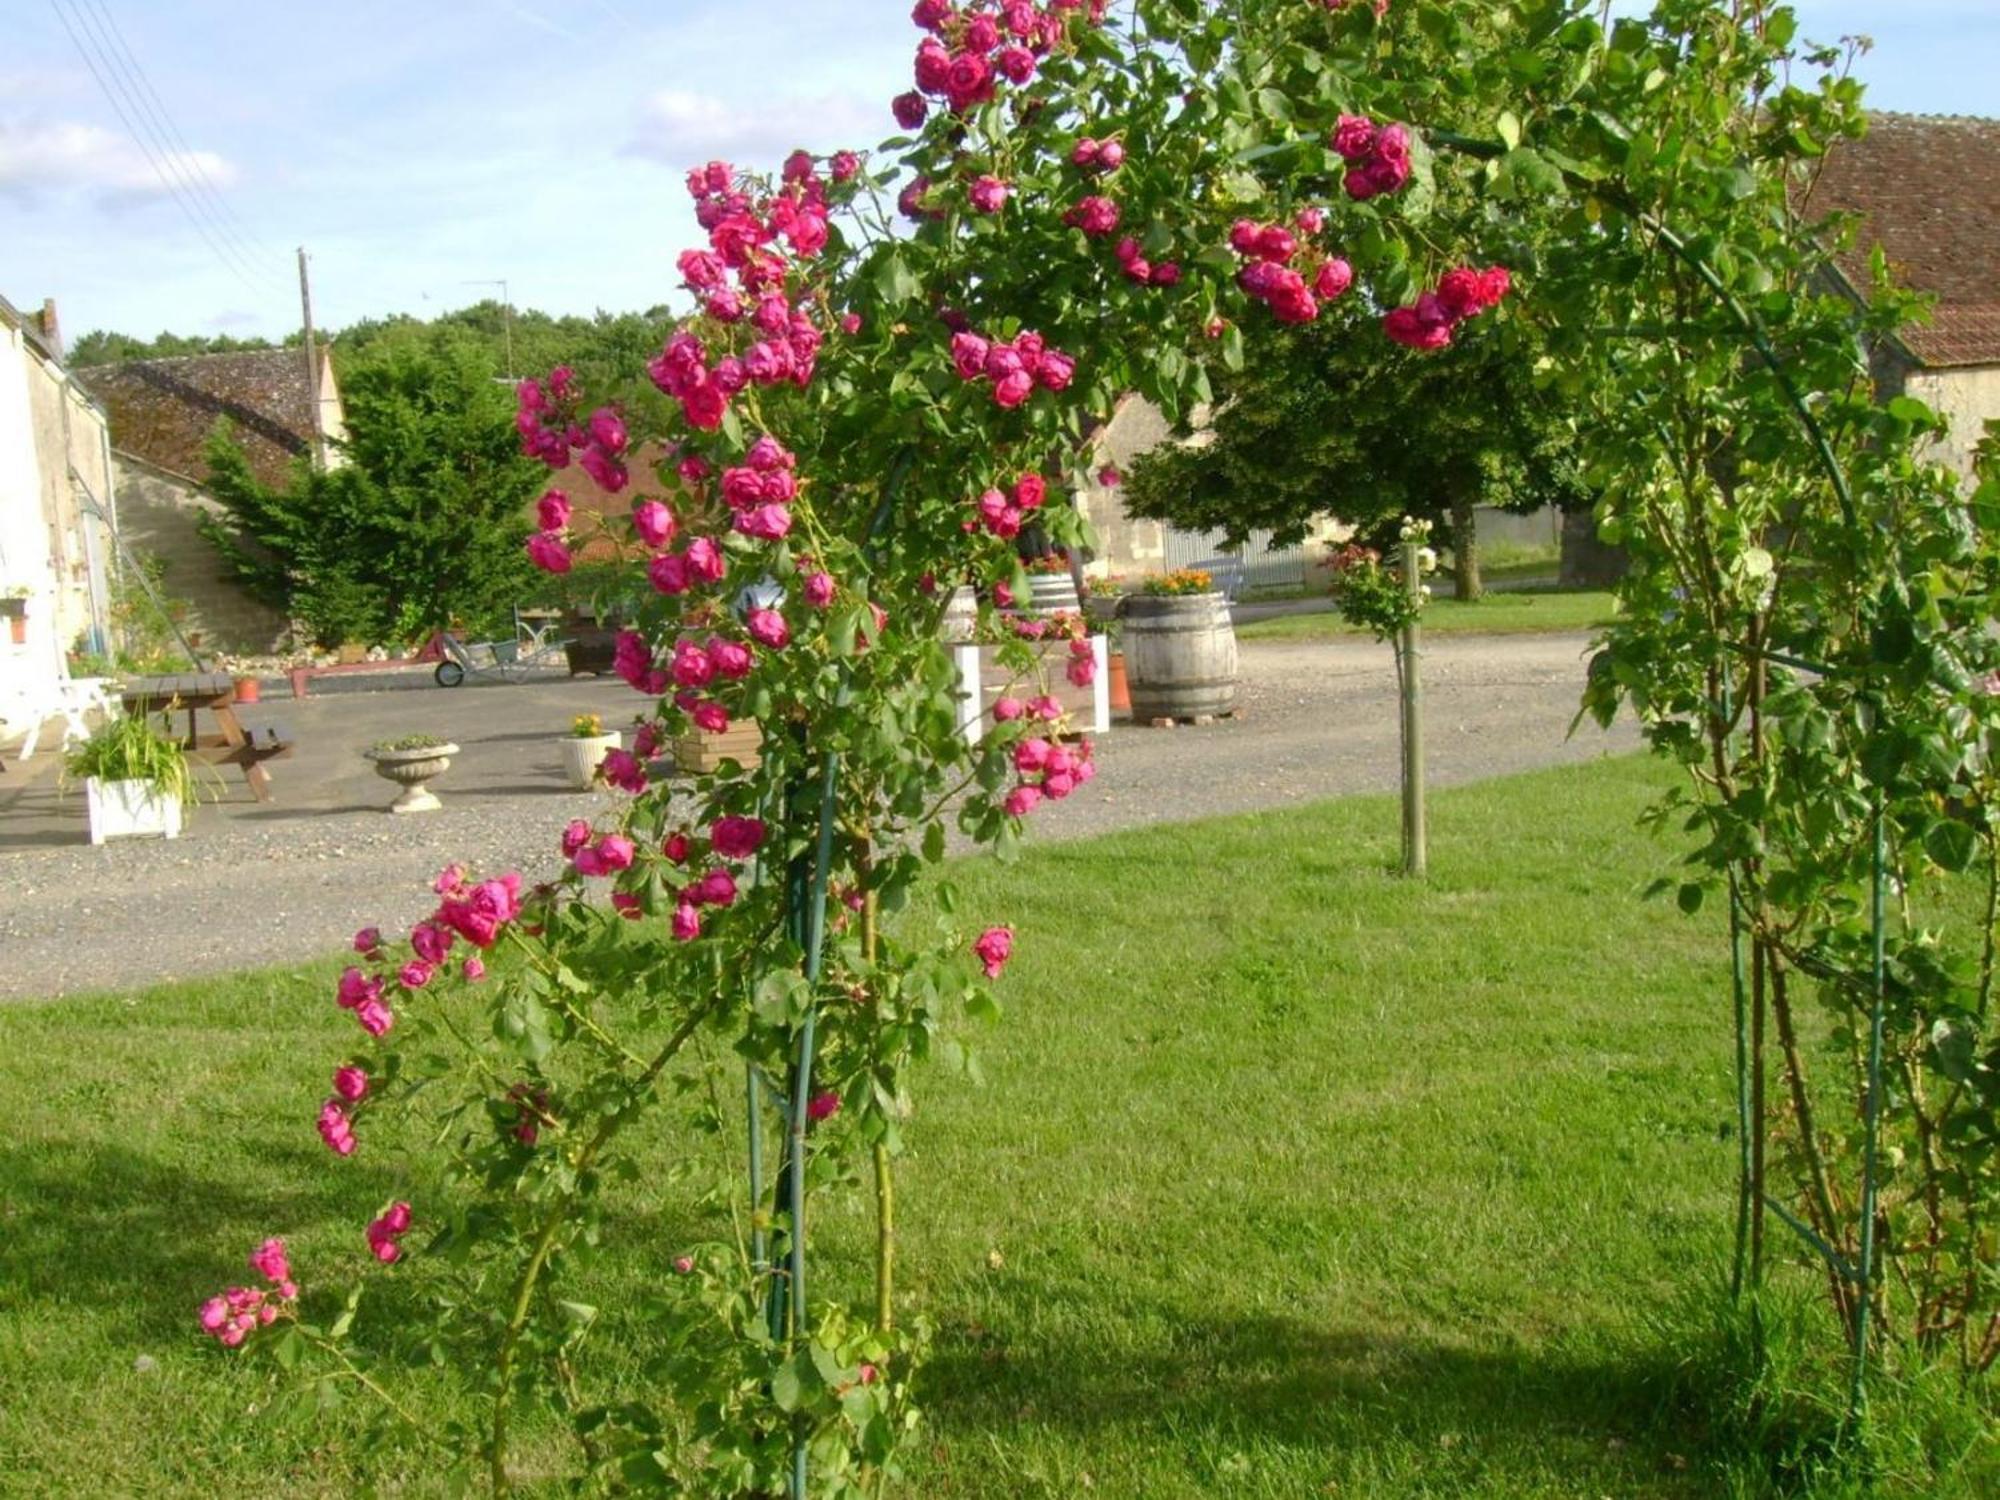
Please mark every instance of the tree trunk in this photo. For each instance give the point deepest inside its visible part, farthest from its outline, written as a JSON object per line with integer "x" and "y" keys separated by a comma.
{"x": 1586, "y": 561}
{"x": 1465, "y": 548}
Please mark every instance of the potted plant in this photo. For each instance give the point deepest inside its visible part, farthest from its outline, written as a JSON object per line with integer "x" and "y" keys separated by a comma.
{"x": 14, "y": 605}
{"x": 1105, "y": 610}
{"x": 1180, "y": 648}
{"x": 136, "y": 781}
{"x": 411, "y": 762}
{"x": 584, "y": 748}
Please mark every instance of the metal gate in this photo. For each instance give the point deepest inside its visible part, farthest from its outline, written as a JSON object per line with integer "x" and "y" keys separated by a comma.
{"x": 1257, "y": 564}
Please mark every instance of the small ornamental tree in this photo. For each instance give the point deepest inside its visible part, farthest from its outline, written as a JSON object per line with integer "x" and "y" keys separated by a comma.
{"x": 1323, "y": 421}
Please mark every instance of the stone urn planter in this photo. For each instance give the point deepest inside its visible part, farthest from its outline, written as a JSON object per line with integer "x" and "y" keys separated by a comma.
{"x": 412, "y": 767}
{"x": 1180, "y": 656}
{"x": 583, "y": 754}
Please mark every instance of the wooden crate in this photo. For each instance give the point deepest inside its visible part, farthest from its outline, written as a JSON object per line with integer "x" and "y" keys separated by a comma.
{"x": 697, "y": 753}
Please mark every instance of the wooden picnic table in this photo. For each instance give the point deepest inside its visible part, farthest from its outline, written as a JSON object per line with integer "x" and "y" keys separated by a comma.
{"x": 213, "y": 693}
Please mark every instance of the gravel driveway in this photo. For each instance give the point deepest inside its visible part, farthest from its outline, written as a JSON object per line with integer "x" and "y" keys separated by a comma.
{"x": 252, "y": 884}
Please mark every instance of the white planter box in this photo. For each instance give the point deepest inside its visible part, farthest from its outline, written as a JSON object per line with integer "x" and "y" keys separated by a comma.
{"x": 581, "y": 757}
{"x": 129, "y": 809}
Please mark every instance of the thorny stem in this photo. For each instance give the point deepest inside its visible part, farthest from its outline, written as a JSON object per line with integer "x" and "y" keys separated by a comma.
{"x": 538, "y": 1260}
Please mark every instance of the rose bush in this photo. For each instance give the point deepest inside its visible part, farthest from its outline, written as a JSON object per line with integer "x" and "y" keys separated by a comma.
{"x": 891, "y": 363}
{"x": 868, "y": 411}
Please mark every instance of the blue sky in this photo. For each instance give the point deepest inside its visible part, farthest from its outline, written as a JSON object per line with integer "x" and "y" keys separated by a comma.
{"x": 419, "y": 146}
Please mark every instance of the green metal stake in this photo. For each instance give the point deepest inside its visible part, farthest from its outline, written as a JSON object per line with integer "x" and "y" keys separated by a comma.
{"x": 1415, "y": 853}
{"x": 1857, "y": 1396}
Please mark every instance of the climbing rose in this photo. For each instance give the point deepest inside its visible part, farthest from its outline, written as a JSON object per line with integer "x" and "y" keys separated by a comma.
{"x": 1353, "y": 137}
{"x": 737, "y": 838}
{"x": 1334, "y": 277}
{"x": 1094, "y": 216}
{"x": 989, "y": 195}
{"x": 818, "y": 590}
{"x": 993, "y": 948}
{"x": 375, "y": 1017}
{"x": 351, "y": 1083}
{"x": 268, "y": 1261}
{"x": 732, "y": 658}
{"x": 1006, "y": 710}
{"x": 768, "y": 628}
{"x": 552, "y": 510}
{"x": 686, "y": 923}
{"x": 1022, "y": 801}
{"x": 548, "y": 554}
{"x": 334, "y": 1128}
{"x": 823, "y": 1106}
{"x": 607, "y": 430}
{"x": 653, "y": 522}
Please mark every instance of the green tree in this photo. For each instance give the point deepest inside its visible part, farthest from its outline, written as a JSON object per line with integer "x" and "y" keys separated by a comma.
{"x": 419, "y": 523}
{"x": 1332, "y": 419}
{"x": 101, "y": 346}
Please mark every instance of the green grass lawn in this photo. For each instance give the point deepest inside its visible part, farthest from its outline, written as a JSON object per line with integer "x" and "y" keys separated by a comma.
{"x": 1496, "y": 614}
{"x": 1289, "y": 1178}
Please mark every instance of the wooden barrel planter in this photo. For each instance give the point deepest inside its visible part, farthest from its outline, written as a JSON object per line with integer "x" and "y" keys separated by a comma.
{"x": 1180, "y": 656}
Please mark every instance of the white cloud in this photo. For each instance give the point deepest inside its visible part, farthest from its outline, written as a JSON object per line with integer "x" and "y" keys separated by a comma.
{"x": 684, "y": 129}
{"x": 69, "y": 156}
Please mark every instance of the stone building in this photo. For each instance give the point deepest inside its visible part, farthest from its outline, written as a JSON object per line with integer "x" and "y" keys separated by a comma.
{"x": 1927, "y": 191}
{"x": 57, "y": 509}
{"x": 162, "y": 412}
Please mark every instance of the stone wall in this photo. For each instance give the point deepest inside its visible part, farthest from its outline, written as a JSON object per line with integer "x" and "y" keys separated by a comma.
{"x": 1125, "y": 544}
{"x": 1967, "y": 398}
{"x": 157, "y": 516}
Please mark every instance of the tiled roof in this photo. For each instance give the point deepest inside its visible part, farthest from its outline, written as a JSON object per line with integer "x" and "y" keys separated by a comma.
{"x": 1928, "y": 190}
{"x": 162, "y": 410}
{"x": 589, "y": 499}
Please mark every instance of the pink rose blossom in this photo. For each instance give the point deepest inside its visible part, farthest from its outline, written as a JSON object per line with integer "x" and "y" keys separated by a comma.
{"x": 1022, "y": 801}
{"x": 737, "y": 838}
{"x": 351, "y": 1083}
{"x": 989, "y": 195}
{"x": 823, "y": 1106}
{"x": 653, "y": 522}
{"x": 994, "y": 947}
{"x": 548, "y": 554}
{"x": 768, "y": 628}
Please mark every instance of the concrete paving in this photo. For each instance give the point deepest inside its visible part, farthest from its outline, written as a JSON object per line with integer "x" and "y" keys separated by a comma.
{"x": 254, "y": 884}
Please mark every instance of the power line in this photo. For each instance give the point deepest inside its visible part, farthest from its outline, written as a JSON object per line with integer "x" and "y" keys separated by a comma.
{"x": 163, "y": 118}
{"x": 177, "y": 165}
{"x": 174, "y": 190}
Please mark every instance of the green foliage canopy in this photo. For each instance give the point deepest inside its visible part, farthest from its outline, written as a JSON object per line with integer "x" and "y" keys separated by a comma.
{"x": 418, "y": 522}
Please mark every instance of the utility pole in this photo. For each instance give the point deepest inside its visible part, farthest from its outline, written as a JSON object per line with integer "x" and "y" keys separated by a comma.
{"x": 312, "y": 364}
{"x": 506, "y": 316}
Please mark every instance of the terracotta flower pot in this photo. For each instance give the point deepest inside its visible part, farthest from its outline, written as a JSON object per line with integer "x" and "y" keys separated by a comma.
{"x": 249, "y": 690}
{"x": 1118, "y": 685}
